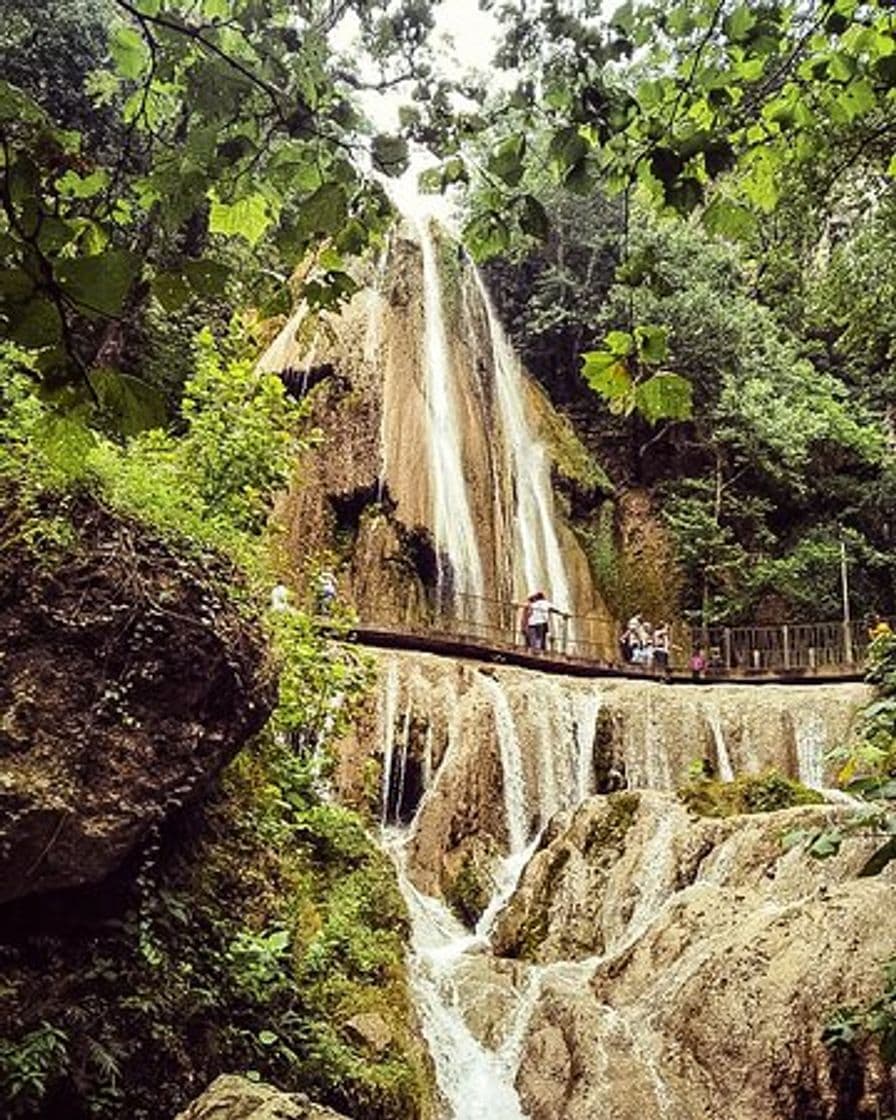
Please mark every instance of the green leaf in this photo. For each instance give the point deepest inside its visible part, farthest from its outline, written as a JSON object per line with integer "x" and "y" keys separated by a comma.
{"x": 267, "y": 1038}
{"x": 216, "y": 9}
{"x": 99, "y": 284}
{"x": 248, "y": 217}
{"x": 857, "y": 99}
{"x": 651, "y": 344}
{"x": 36, "y": 325}
{"x": 129, "y": 52}
{"x": 665, "y": 396}
{"x": 171, "y": 290}
{"x": 325, "y": 210}
{"x": 611, "y": 379}
{"x": 726, "y": 218}
{"x": 506, "y": 160}
{"x": 826, "y": 844}
{"x": 534, "y": 218}
{"x": 390, "y": 154}
{"x": 76, "y": 186}
{"x": 739, "y": 24}
{"x": 133, "y": 405}
{"x": 15, "y": 284}
{"x": 620, "y": 343}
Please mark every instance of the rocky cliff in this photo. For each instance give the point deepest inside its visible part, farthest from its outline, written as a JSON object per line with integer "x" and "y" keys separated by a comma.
{"x": 128, "y": 680}
{"x": 497, "y": 751}
{"x": 711, "y": 959}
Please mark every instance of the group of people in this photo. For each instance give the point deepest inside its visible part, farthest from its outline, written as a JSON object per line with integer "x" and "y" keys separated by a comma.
{"x": 646, "y": 645}
{"x": 535, "y": 621}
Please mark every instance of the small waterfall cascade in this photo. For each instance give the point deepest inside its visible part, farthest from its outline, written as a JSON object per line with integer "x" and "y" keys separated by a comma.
{"x": 538, "y": 557}
{"x": 723, "y": 758}
{"x": 540, "y": 736}
{"x": 810, "y": 735}
{"x": 455, "y": 534}
{"x": 373, "y": 340}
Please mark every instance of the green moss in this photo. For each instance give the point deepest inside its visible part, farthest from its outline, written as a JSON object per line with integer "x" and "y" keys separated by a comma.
{"x": 571, "y": 458}
{"x": 763, "y": 793}
{"x": 247, "y": 944}
{"x": 606, "y": 836}
{"x": 468, "y": 893}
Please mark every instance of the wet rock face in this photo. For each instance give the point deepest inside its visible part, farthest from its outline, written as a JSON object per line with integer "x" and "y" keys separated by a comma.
{"x": 127, "y": 682}
{"x": 456, "y": 729}
{"x": 710, "y": 960}
{"x": 236, "y": 1098}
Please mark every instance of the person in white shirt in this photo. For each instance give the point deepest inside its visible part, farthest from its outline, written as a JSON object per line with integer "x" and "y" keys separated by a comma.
{"x": 538, "y": 620}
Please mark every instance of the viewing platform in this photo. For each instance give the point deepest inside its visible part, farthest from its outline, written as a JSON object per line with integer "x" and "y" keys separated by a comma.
{"x": 490, "y": 630}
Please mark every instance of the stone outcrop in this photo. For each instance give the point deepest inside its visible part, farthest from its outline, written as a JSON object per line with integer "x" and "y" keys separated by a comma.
{"x": 709, "y": 960}
{"x": 369, "y": 497}
{"x": 450, "y": 728}
{"x": 236, "y": 1098}
{"x": 127, "y": 682}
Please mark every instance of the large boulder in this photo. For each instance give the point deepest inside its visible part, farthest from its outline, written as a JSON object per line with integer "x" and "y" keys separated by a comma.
{"x": 236, "y": 1098}
{"x": 127, "y": 680}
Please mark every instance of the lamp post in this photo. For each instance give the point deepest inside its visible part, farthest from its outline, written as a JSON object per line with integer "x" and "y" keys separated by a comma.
{"x": 844, "y": 582}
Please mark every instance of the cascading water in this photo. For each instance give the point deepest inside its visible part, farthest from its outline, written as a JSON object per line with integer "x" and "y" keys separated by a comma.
{"x": 453, "y": 522}
{"x": 538, "y": 557}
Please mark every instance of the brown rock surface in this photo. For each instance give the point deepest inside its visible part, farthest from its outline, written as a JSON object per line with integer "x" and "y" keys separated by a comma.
{"x": 710, "y": 961}
{"x": 127, "y": 682}
{"x": 236, "y": 1098}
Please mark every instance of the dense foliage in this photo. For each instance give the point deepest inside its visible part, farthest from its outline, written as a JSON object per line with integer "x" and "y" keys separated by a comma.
{"x": 745, "y": 354}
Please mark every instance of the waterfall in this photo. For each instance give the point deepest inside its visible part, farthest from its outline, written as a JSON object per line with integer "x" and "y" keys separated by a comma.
{"x": 809, "y": 732}
{"x": 453, "y": 522}
{"x": 373, "y": 337}
{"x": 723, "y": 758}
{"x": 475, "y": 1082}
{"x": 388, "y": 707}
{"x": 538, "y": 558}
{"x": 514, "y": 782}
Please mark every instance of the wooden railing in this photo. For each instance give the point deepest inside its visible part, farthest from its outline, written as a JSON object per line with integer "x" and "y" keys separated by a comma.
{"x": 802, "y": 649}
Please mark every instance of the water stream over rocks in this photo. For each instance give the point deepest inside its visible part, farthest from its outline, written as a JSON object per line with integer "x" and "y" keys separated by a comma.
{"x": 520, "y": 1007}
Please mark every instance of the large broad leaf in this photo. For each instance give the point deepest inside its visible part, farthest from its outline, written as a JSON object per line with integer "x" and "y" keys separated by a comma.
{"x": 131, "y": 404}
{"x": 606, "y": 375}
{"x": 248, "y": 217}
{"x": 99, "y": 284}
{"x": 390, "y": 154}
{"x": 665, "y": 396}
{"x": 651, "y": 344}
{"x": 36, "y": 324}
{"x": 506, "y": 160}
{"x": 129, "y": 52}
{"x": 620, "y": 343}
{"x": 325, "y": 211}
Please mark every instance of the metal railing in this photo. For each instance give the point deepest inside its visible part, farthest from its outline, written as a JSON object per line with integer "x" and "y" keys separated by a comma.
{"x": 497, "y": 624}
{"x": 802, "y": 646}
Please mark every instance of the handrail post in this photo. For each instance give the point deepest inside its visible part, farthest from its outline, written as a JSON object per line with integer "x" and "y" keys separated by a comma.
{"x": 726, "y": 642}
{"x": 786, "y": 637}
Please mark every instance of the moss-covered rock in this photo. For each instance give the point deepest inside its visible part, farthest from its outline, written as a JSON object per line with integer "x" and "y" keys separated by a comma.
{"x": 252, "y": 939}
{"x": 748, "y": 793}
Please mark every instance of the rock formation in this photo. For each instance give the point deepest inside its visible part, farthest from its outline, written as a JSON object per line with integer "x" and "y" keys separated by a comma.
{"x": 236, "y": 1098}
{"x": 710, "y": 961}
{"x": 375, "y": 503}
{"x": 127, "y": 682}
{"x": 499, "y": 749}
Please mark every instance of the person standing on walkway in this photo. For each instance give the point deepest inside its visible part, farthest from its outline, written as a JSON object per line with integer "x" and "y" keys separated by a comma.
{"x": 540, "y": 611}
{"x": 661, "y": 644}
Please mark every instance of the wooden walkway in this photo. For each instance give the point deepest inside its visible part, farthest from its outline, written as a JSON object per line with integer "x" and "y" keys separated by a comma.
{"x": 452, "y": 645}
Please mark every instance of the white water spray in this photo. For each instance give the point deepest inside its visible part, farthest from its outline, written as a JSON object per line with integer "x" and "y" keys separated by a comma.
{"x": 538, "y": 558}
{"x": 453, "y": 522}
